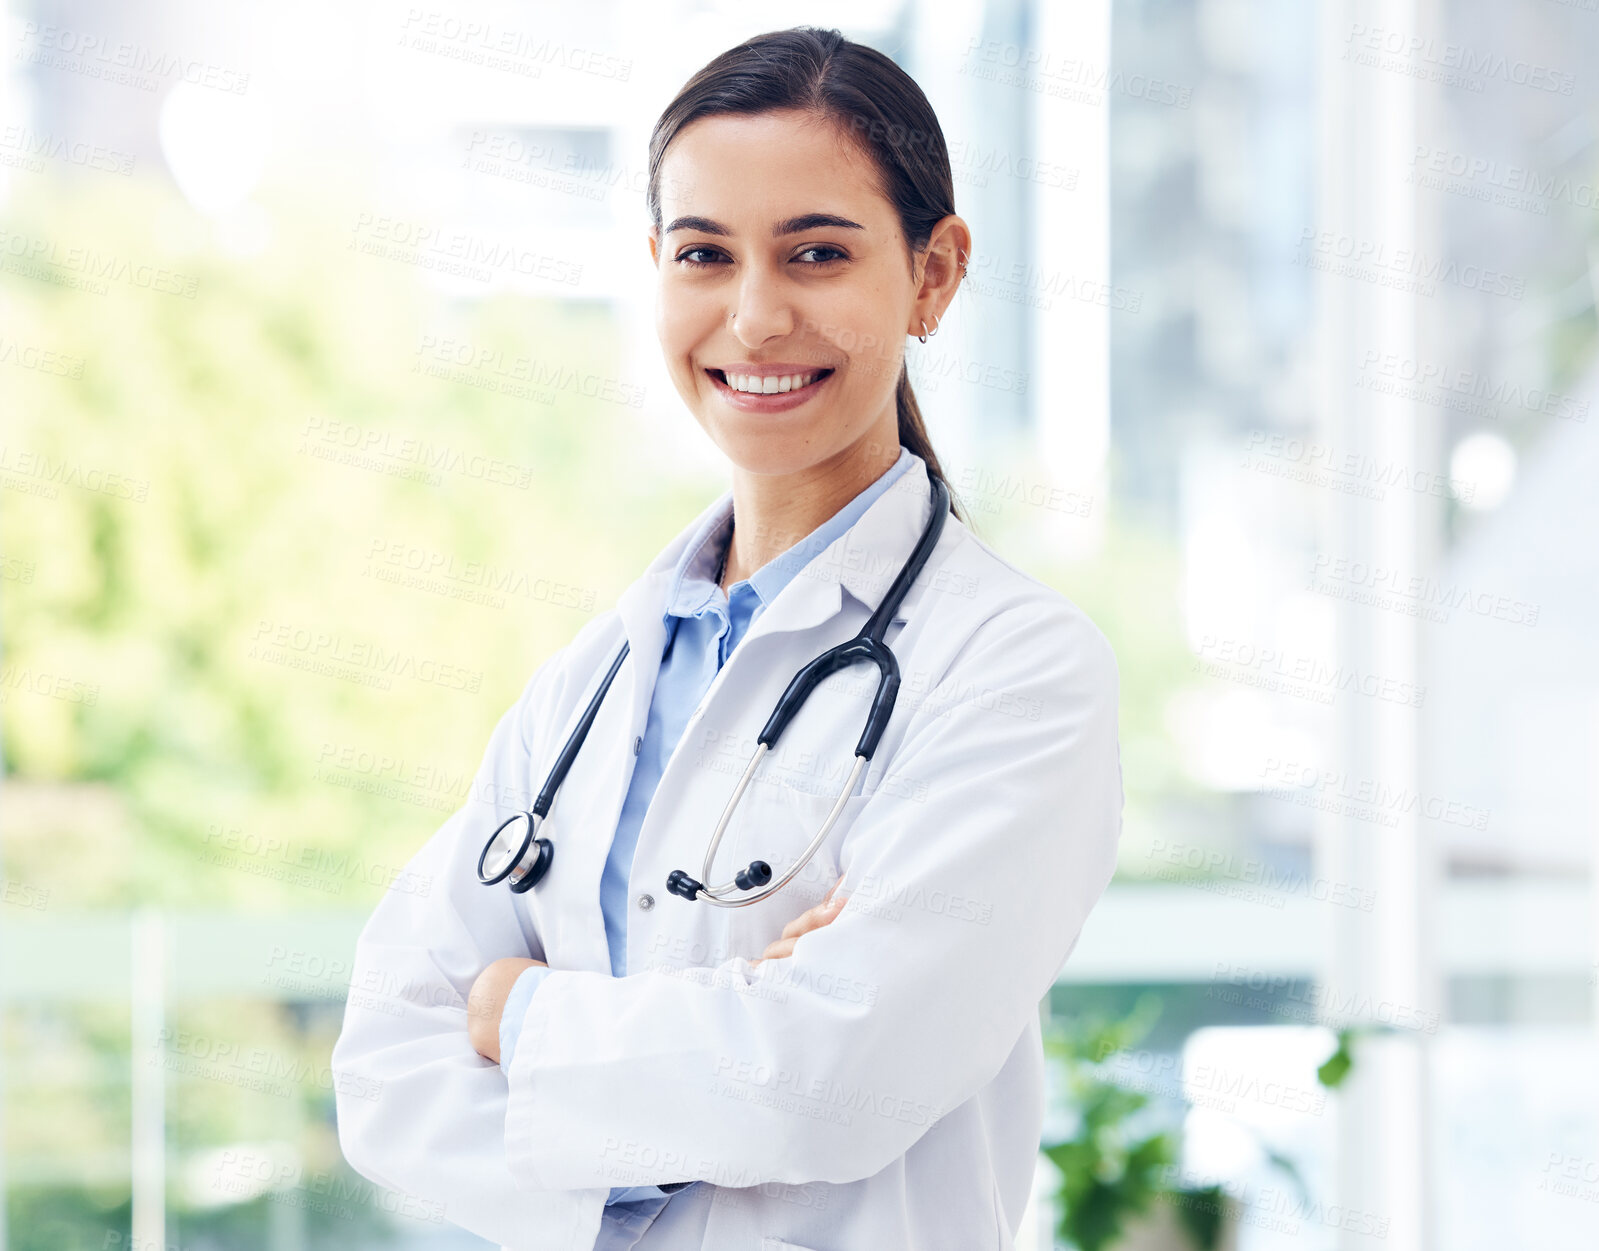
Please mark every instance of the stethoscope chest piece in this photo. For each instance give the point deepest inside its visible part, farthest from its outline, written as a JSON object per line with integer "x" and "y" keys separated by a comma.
{"x": 515, "y": 852}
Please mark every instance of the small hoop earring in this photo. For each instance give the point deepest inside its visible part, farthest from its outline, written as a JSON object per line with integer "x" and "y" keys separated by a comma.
{"x": 923, "y": 336}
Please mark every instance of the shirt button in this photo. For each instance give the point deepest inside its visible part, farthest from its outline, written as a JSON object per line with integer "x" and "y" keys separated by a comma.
{"x": 646, "y": 902}
{"x": 637, "y": 744}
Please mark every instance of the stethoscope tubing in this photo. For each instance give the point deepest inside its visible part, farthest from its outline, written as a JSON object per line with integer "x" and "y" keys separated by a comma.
{"x": 866, "y": 645}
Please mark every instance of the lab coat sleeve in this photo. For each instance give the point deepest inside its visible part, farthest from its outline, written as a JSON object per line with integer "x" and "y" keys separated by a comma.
{"x": 969, "y": 879}
{"x": 511, "y": 1026}
{"x": 419, "y": 1110}
{"x": 527, "y": 981}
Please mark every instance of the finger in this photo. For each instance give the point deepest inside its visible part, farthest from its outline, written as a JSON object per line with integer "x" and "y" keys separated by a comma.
{"x": 812, "y": 918}
{"x": 798, "y": 925}
{"x": 779, "y": 949}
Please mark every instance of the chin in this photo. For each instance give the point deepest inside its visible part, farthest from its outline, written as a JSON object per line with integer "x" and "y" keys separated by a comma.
{"x": 772, "y": 455}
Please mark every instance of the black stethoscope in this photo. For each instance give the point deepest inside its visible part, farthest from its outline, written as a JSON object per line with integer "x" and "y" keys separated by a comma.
{"x": 515, "y": 852}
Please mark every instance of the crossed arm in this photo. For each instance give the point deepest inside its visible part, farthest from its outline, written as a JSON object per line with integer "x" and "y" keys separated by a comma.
{"x": 1021, "y": 815}
{"x": 486, "y": 1003}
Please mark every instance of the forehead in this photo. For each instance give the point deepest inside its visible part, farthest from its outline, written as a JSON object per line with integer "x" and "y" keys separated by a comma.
{"x": 753, "y": 169}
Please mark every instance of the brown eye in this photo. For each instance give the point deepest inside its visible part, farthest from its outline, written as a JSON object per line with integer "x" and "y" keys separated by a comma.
{"x": 682, "y": 257}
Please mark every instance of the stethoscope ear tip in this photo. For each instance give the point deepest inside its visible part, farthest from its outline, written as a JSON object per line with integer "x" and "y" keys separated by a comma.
{"x": 680, "y": 883}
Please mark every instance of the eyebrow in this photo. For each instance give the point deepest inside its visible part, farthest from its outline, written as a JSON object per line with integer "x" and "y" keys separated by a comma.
{"x": 788, "y": 226}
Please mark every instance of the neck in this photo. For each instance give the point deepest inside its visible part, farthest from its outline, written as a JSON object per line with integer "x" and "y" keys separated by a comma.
{"x": 774, "y": 512}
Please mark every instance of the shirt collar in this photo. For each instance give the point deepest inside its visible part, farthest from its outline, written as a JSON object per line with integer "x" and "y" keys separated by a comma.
{"x": 692, "y": 587}
{"x": 862, "y": 561}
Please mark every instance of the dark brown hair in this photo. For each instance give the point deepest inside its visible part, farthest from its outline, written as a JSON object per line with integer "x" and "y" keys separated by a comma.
{"x": 873, "y": 102}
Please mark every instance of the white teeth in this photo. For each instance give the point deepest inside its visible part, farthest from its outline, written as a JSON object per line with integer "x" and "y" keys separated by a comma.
{"x": 769, "y": 386}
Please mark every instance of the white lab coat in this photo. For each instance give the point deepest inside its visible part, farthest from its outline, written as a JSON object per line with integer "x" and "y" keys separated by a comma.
{"x": 881, "y": 1088}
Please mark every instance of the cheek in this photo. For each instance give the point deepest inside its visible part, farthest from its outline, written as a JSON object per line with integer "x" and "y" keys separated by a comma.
{"x": 683, "y": 321}
{"x": 864, "y": 321}
{"x": 668, "y": 321}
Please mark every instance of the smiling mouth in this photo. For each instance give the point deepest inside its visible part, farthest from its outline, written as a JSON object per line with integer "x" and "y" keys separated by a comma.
{"x": 814, "y": 376}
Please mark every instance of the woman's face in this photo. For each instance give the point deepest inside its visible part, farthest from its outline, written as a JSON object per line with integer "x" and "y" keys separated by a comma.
{"x": 779, "y": 257}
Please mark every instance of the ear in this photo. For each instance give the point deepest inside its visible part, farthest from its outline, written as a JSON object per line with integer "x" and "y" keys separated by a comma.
{"x": 654, "y": 245}
{"x": 949, "y": 249}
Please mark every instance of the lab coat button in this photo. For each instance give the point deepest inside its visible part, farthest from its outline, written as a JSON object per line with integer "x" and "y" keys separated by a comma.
{"x": 638, "y": 743}
{"x": 646, "y": 902}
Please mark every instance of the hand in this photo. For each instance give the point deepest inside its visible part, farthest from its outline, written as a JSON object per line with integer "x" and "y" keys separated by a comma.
{"x": 811, "y": 919}
{"x": 486, "y": 1002}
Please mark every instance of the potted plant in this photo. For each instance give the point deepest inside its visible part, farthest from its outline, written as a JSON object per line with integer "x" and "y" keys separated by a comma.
{"x": 1120, "y": 1183}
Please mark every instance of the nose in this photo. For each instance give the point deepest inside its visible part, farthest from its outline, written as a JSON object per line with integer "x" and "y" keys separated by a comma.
{"x": 763, "y": 310}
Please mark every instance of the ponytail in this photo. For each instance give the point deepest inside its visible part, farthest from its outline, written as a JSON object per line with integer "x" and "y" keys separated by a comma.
{"x": 913, "y": 435}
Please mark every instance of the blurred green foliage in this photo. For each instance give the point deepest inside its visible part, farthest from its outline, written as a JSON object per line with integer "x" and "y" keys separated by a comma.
{"x": 225, "y": 526}
{"x": 1121, "y": 1159}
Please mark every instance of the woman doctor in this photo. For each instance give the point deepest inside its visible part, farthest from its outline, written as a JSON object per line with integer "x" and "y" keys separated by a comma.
{"x": 854, "y": 1062}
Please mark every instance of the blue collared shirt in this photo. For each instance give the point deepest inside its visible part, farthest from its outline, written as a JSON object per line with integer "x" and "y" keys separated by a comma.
{"x": 703, "y": 626}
